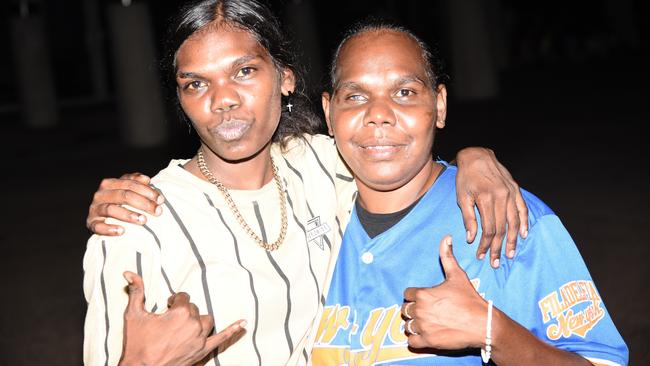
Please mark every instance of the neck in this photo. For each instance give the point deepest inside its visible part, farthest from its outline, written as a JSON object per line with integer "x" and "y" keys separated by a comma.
{"x": 381, "y": 202}
{"x": 249, "y": 174}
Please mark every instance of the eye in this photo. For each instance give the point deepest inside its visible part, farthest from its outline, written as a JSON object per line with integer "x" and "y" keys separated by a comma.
{"x": 194, "y": 85}
{"x": 355, "y": 98}
{"x": 245, "y": 72}
{"x": 405, "y": 93}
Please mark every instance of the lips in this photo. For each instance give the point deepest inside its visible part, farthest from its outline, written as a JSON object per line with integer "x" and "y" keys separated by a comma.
{"x": 381, "y": 150}
{"x": 231, "y": 130}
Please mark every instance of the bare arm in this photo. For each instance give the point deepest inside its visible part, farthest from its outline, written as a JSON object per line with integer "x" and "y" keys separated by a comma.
{"x": 483, "y": 182}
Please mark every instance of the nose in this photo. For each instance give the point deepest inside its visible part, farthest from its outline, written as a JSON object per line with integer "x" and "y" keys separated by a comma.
{"x": 224, "y": 98}
{"x": 379, "y": 113}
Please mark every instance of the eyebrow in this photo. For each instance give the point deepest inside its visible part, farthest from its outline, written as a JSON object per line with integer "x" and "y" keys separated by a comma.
{"x": 353, "y": 85}
{"x": 412, "y": 78}
{"x": 235, "y": 64}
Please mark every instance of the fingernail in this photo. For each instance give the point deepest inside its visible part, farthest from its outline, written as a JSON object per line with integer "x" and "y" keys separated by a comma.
{"x": 141, "y": 219}
{"x": 524, "y": 234}
{"x": 117, "y": 230}
{"x": 481, "y": 256}
{"x": 495, "y": 263}
{"x": 448, "y": 241}
{"x": 128, "y": 278}
{"x": 158, "y": 210}
{"x": 243, "y": 324}
{"x": 160, "y": 199}
{"x": 511, "y": 254}
{"x": 467, "y": 237}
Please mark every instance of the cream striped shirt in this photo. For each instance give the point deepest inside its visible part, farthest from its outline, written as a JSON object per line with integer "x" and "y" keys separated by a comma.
{"x": 197, "y": 246}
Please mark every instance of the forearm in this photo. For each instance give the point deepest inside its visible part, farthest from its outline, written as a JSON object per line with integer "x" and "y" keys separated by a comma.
{"x": 513, "y": 344}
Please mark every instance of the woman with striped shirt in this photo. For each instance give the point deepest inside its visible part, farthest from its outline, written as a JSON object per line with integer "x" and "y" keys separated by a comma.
{"x": 251, "y": 225}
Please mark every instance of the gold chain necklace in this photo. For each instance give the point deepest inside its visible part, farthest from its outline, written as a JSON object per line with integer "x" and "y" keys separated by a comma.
{"x": 203, "y": 167}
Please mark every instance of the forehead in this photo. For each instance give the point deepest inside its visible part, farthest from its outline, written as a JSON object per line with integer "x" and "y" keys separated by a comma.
{"x": 219, "y": 44}
{"x": 384, "y": 53}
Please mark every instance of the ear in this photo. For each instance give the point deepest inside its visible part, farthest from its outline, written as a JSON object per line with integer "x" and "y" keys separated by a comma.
{"x": 325, "y": 100}
{"x": 441, "y": 106}
{"x": 288, "y": 82}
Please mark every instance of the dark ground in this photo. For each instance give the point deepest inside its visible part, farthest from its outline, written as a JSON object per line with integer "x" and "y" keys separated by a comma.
{"x": 576, "y": 138}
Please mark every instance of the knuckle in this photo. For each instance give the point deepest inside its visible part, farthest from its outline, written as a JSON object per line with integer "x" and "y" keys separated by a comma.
{"x": 182, "y": 311}
{"x": 485, "y": 198}
{"x": 421, "y": 296}
{"x": 96, "y": 195}
{"x": 125, "y": 194}
{"x": 416, "y": 312}
{"x": 110, "y": 209}
{"x": 502, "y": 192}
{"x": 130, "y": 184}
{"x": 104, "y": 183}
{"x": 489, "y": 232}
{"x": 92, "y": 226}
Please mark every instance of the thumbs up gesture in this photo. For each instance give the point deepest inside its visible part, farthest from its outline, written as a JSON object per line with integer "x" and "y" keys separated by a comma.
{"x": 179, "y": 336}
{"x": 449, "y": 316}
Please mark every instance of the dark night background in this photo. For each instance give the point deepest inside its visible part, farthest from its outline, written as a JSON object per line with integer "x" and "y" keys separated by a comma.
{"x": 558, "y": 89}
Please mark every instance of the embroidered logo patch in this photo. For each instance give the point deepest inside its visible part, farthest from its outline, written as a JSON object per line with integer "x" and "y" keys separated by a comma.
{"x": 572, "y": 310}
{"x": 316, "y": 231}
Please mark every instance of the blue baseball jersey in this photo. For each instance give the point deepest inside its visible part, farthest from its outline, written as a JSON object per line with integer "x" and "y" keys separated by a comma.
{"x": 546, "y": 288}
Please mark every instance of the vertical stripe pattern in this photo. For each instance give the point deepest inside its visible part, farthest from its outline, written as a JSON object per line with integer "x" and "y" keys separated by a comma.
{"x": 256, "y": 207}
{"x": 250, "y": 280}
{"x": 103, "y": 284}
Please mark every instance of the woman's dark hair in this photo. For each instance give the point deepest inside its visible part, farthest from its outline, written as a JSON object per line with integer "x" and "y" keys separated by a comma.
{"x": 433, "y": 62}
{"x": 259, "y": 21}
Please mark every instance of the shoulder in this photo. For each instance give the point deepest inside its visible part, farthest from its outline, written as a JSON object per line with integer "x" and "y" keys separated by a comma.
{"x": 321, "y": 145}
{"x": 177, "y": 184}
{"x": 537, "y": 209}
{"x": 308, "y": 153}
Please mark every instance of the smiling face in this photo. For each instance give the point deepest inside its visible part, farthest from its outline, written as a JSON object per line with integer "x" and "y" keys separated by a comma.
{"x": 383, "y": 111}
{"x": 229, "y": 87}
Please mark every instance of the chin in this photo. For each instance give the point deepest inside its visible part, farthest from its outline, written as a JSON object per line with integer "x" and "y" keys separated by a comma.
{"x": 383, "y": 183}
{"x": 240, "y": 151}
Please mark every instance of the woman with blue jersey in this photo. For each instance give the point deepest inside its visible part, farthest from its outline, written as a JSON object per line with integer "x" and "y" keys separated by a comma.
{"x": 251, "y": 225}
{"x": 541, "y": 308}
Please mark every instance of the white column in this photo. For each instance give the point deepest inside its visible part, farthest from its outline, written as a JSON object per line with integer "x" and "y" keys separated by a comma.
{"x": 300, "y": 17}
{"x": 95, "y": 48}
{"x": 34, "y": 78}
{"x": 474, "y": 68}
{"x": 136, "y": 75}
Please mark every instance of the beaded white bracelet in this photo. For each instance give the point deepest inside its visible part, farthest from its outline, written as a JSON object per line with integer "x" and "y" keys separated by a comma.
{"x": 486, "y": 352}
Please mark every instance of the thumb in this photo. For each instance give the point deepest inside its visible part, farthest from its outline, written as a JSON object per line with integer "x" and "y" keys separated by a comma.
{"x": 449, "y": 263}
{"x": 136, "y": 292}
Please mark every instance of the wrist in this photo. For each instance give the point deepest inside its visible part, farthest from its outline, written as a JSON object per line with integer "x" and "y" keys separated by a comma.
{"x": 499, "y": 330}
{"x": 128, "y": 360}
{"x": 472, "y": 153}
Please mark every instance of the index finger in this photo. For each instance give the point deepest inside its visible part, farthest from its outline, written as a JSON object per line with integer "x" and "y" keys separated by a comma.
{"x": 466, "y": 203}
{"x": 214, "y": 341}
{"x": 139, "y": 186}
{"x": 137, "y": 176}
